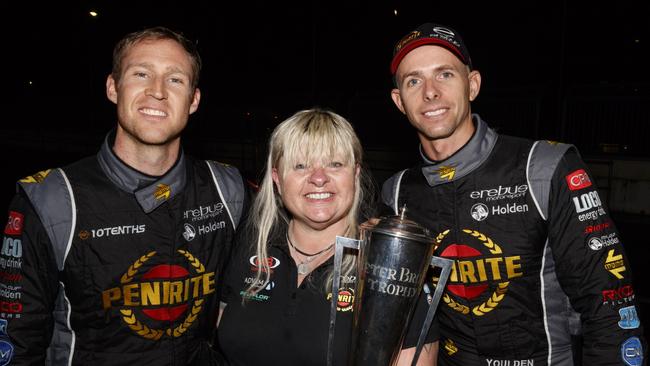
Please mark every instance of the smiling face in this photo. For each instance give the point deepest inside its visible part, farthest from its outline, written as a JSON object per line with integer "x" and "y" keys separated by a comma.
{"x": 154, "y": 95}
{"x": 317, "y": 194}
{"x": 434, "y": 91}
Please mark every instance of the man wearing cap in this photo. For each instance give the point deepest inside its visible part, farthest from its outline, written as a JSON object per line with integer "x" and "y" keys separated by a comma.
{"x": 537, "y": 258}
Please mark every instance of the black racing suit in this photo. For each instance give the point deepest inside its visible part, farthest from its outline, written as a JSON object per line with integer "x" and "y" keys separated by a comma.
{"x": 105, "y": 265}
{"x": 525, "y": 225}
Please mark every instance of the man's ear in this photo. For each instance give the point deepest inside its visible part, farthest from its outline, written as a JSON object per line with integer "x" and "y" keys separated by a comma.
{"x": 196, "y": 98}
{"x": 111, "y": 89}
{"x": 397, "y": 99}
{"x": 474, "y": 84}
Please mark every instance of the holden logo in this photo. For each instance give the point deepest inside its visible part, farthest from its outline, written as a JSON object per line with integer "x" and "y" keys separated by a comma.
{"x": 595, "y": 243}
{"x": 479, "y": 212}
{"x": 189, "y": 232}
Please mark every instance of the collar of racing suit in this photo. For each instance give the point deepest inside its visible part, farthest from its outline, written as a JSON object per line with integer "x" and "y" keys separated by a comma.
{"x": 149, "y": 191}
{"x": 463, "y": 161}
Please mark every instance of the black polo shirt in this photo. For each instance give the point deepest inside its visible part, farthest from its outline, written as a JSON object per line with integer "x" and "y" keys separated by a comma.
{"x": 286, "y": 324}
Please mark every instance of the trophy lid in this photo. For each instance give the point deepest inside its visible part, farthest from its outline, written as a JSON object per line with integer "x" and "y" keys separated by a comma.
{"x": 400, "y": 226}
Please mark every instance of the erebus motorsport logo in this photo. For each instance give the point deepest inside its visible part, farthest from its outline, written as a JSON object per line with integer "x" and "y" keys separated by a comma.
{"x": 500, "y": 193}
{"x": 203, "y": 212}
{"x": 480, "y": 274}
{"x": 161, "y": 299}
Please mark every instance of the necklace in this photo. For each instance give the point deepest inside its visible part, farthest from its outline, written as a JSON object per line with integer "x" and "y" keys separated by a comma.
{"x": 303, "y": 266}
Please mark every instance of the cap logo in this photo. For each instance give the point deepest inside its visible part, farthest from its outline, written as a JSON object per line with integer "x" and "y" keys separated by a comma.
{"x": 444, "y": 31}
{"x": 409, "y": 37}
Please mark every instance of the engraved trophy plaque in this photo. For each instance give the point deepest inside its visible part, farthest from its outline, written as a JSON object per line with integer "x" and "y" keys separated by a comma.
{"x": 394, "y": 256}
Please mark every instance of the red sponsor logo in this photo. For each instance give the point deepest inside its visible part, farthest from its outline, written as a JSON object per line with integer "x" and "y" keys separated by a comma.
{"x": 11, "y": 307}
{"x": 596, "y": 228}
{"x": 14, "y": 224}
{"x": 10, "y": 277}
{"x": 578, "y": 180}
{"x": 257, "y": 264}
{"x": 466, "y": 291}
{"x": 619, "y": 295}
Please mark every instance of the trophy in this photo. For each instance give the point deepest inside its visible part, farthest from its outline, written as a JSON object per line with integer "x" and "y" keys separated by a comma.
{"x": 394, "y": 256}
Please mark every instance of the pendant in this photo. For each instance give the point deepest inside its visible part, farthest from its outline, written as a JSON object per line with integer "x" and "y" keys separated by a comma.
{"x": 303, "y": 268}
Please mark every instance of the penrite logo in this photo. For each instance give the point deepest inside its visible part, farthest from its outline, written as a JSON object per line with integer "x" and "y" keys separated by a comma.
{"x": 152, "y": 303}
{"x": 345, "y": 301}
{"x": 475, "y": 271}
{"x": 578, "y": 180}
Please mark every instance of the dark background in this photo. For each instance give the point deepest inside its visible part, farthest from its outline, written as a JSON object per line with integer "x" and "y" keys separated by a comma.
{"x": 571, "y": 71}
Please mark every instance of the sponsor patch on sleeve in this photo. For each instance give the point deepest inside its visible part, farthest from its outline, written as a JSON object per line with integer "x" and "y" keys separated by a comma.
{"x": 14, "y": 224}
{"x": 632, "y": 352}
{"x": 578, "y": 180}
{"x": 6, "y": 348}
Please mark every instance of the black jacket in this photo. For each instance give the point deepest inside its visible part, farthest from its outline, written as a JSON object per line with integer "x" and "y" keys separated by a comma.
{"x": 117, "y": 267}
{"x": 525, "y": 225}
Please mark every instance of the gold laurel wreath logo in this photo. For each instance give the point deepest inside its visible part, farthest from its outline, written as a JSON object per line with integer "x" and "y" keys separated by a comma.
{"x": 454, "y": 305}
{"x": 497, "y": 296}
{"x": 492, "y": 246}
{"x": 193, "y": 261}
{"x": 493, "y": 301}
{"x": 133, "y": 269}
{"x": 132, "y": 322}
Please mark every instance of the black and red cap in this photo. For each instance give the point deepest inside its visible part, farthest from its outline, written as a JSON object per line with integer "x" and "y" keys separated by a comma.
{"x": 430, "y": 34}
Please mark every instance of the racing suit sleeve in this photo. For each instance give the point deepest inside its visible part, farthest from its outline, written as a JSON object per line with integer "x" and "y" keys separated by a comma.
{"x": 592, "y": 267}
{"x": 28, "y": 286}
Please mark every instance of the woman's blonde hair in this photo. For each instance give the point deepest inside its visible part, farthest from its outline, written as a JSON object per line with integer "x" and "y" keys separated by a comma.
{"x": 313, "y": 135}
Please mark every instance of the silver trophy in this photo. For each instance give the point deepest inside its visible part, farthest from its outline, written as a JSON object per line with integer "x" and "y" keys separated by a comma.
{"x": 394, "y": 256}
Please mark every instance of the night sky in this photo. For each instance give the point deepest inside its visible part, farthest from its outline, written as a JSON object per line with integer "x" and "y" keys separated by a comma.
{"x": 265, "y": 60}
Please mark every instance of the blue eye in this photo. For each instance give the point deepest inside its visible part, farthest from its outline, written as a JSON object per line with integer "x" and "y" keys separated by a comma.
{"x": 336, "y": 164}
{"x": 412, "y": 82}
{"x": 299, "y": 166}
{"x": 446, "y": 75}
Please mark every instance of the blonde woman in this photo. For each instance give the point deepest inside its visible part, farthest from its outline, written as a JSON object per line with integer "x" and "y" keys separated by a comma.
{"x": 278, "y": 287}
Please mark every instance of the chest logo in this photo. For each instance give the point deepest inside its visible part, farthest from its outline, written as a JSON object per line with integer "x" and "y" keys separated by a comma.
{"x": 162, "y": 191}
{"x": 479, "y": 212}
{"x": 167, "y": 294}
{"x": 476, "y": 271}
{"x": 447, "y": 172}
{"x": 345, "y": 301}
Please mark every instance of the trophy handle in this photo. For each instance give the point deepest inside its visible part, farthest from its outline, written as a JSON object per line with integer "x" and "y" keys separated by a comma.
{"x": 341, "y": 242}
{"x": 445, "y": 264}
